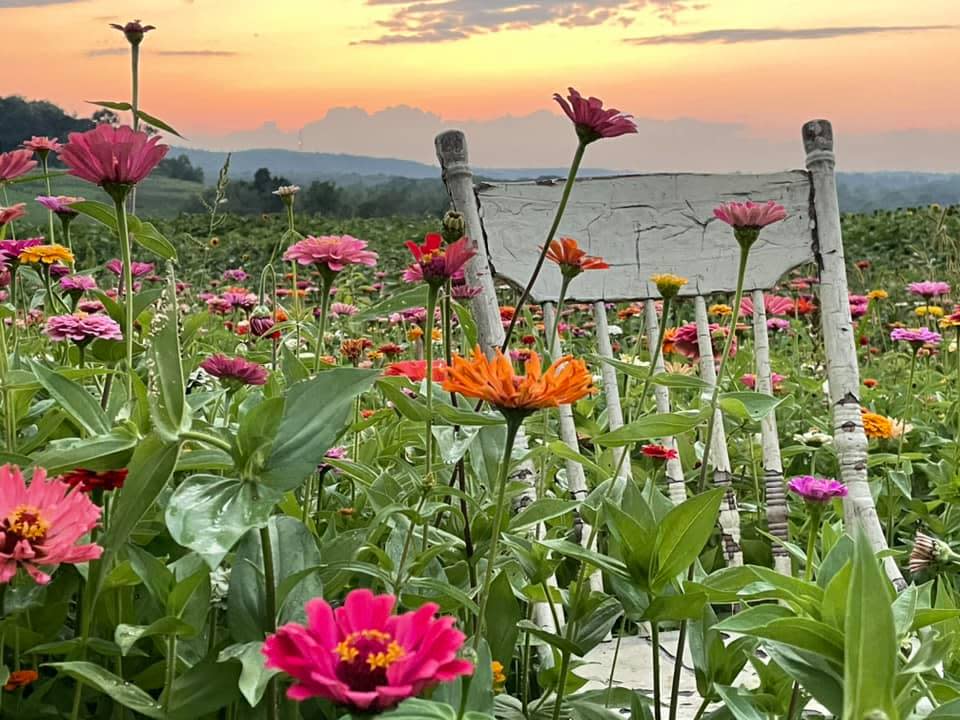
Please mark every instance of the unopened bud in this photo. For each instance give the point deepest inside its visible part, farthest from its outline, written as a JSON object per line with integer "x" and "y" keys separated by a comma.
{"x": 454, "y": 226}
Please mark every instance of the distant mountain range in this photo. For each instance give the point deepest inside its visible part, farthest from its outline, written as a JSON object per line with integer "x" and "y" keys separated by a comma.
{"x": 859, "y": 192}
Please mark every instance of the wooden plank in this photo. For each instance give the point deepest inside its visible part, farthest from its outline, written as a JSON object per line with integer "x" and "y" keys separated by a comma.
{"x": 646, "y": 224}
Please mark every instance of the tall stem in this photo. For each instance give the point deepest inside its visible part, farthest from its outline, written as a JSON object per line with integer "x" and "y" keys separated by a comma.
{"x": 9, "y": 412}
{"x": 513, "y": 426}
{"x": 655, "y": 649}
{"x": 568, "y": 186}
{"x": 43, "y": 164}
{"x": 428, "y": 357}
{"x": 892, "y": 509}
{"x": 552, "y": 337}
{"x": 134, "y": 104}
{"x": 270, "y": 593}
{"x": 325, "y": 285}
{"x": 715, "y": 397}
{"x": 815, "y": 514}
{"x": 124, "y": 237}
{"x": 171, "y": 674}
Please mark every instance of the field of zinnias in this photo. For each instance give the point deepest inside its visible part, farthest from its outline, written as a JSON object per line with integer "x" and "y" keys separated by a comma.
{"x": 263, "y": 469}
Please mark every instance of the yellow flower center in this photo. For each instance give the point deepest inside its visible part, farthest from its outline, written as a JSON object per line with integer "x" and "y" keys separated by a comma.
{"x": 27, "y": 522}
{"x": 379, "y": 648}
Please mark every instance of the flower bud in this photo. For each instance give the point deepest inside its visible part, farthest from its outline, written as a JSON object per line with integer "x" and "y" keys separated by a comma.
{"x": 454, "y": 226}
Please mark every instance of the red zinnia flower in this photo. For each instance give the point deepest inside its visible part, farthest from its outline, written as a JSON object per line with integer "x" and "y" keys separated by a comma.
{"x": 436, "y": 263}
{"x": 235, "y": 371}
{"x": 591, "y": 120}
{"x": 659, "y": 452}
{"x": 90, "y": 480}
{"x": 20, "y": 678}
{"x": 416, "y": 370}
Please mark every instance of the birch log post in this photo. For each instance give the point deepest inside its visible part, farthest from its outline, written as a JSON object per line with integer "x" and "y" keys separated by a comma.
{"x": 774, "y": 490}
{"x": 611, "y": 386}
{"x": 676, "y": 489}
{"x": 842, "y": 371}
{"x": 458, "y": 178}
{"x": 717, "y": 455}
{"x": 576, "y": 480}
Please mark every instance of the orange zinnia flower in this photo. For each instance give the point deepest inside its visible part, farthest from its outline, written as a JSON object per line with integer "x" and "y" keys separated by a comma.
{"x": 19, "y": 679}
{"x": 572, "y": 260}
{"x": 565, "y": 381}
{"x": 876, "y": 426}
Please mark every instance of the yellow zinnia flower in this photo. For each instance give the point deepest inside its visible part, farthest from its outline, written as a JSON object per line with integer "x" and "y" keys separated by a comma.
{"x": 46, "y": 254}
{"x": 878, "y": 295}
{"x": 668, "y": 285}
{"x": 721, "y": 310}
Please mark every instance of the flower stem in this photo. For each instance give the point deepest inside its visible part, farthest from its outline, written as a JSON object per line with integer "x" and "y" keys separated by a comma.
{"x": 552, "y": 337}
{"x": 43, "y": 161}
{"x": 270, "y": 594}
{"x": 124, "y": 236}
{"x": 428, "y": 357}
{"x": 134, "y": 104}
{"x": 171, "y": 674}
{"x": 325, "y": 285}
{"x": 655, "y": 650}
{"x": 892, "y": 509}
{"x": 567, "y": 187}
{"x": 715, "y": 397}
{"x": 513, "y": 427}
{"x": 815, "y": 515}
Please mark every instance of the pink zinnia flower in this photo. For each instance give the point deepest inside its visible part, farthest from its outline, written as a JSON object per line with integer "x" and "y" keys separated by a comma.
{"x": 82, "y": 328}
{"x": 462, "y": 291}
{"x": 113, "y": 158}
{"x": 772, "y": 305}
{"x": 437, "y": 263}
{"x": 685, "y": 340}
{"x": 240, "y": 299}
{"x": 776, "y": 381}
{"x": 235, "y": 371}
{"x": 416, "y": 370}
{"x": 916, "y": 337}
{"x": 40, "y": 524}
{"x": 42, "y": 145}
{"x": 590, "y": 118}
{"x": 60, "y": 204}
{"x": 137, "y": 269}
{"x": 338, "y": 309}
{"x": 778, "y": 324}
{"x": 10, "y": 249}
{"x": 817, "y": 490}
{"x": 332, "y": 253}
{"x": 14, "y": 212}
{"x": 235, "y": 275}
{"x": 364, "y": 657}
{"x": 750, "y": 215}
{"x": 77, "y": 283}
{"x": 929, "y": 288}
{"x": 15, "y": 163}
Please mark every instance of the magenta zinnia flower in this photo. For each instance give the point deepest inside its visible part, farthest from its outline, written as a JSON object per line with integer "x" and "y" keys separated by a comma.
{"x": 15, "y": 163}
{"x": 235, "y": 371}
{"x": 364, "y": 657}
{"x": 339, "y": 309}
{"x": 235, "y": 275}
{"x": 83, "y": 328}
{"x": 332, "y": 253}
{"x": 78, "y": 284}
{"x": 435, "y": 262}
{"x": 816, "y": 490}
{"x": 137, "y": 269}
{"x": 686, "y": 343}
{"x": 113, "y": 158}
{"x": 14, "y": 212}
{"x": 59, "y": 204}
{"x": 750, "y": 215}
{"x": 591, "y": 120}
{"x": 929, "y": 288}
{"x": 10, "y": 249}
{"x": 40, "y": 524}
{"x": 916, "y": 337}
{"x": 42, "y": 145}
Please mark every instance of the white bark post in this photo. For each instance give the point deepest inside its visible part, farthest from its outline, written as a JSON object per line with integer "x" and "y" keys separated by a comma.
{"x": 775, "y": 492}
{"x": 676, "y": 488}
{"x": 611, "y": 387}
{"x": 717, "y": 455}
{"x": 842, "y": 371}
{"x": 458, "y": 178}
{"x": 576, "y": 480}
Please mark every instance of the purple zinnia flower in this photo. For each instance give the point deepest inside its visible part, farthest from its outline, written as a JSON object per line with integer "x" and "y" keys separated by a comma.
{"x": 929, "y": 288}
{"x": 235, "y": 371}
{"x": 82, "y": 328}
{"x": 916, "y": 337}
{"x": 10, "y": 249}
{"x": 60, "y": 204}
{"x": 240, "y": 299}
{"x": 817, "y": 490}
{"x": 235, "y": 275}
{"x": 778, "y": 324}
{"x": 77, "y": 283}
{"x": 138, "y": 269}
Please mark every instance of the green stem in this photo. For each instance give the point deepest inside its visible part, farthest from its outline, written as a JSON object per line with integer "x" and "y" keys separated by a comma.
{"x": 205, "y": 438}
{"x": 270, "y": 593}
{"x": 513, "y": 427}
{"x": 171, "y": 674}
{"x": 124, "y": 236}
{"x": 134, "y": 104}
{"x": 613, "y": 666}
{"x": 407, "y": 542}
{"x": 678, "y": 671}
{"x": 715, "y": 396}
{"x": 43, "y": 164}
{"x": 892, "y": 509}
{"x": 568, "y": 186}
{"x": 702, "y": 709}
{"x": 325, "y": 285}
{"x": 428, "y": 357}
{"x": 552, "y": 337}
{"x": 655, "y": 649}
{"x": 9, "y": 412}
{"x": 815, "y": 514}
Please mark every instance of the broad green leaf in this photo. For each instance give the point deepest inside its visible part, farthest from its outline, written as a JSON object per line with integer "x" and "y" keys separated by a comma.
{"x": 126, "y": 636}
{"x": 203, "y": 689}
{"x": 170, "y": 413}
{"x": 503, "y": 614}
{"x": 739, "y": 703}
{"x": 117, "y": 688}
{"x": 157, "y": 123}
{"x": 254, "y": 675}
{"x": 467, "y": 324}
{"x": 650, "y": 427}
{"x": 74, "y": 399}
{"x": 464, "y": 416}
{"x": 149, "y": 238}
{"x": 870, "y": 656}
{"x": 748, "y": 405}
{"x": 102, "y": 213}
{"x": 315, "y": 413}
{"x": 682, "y": 535}
{"x": 415, "y": 296}
{"x": 562, "y": 450}
{"x": 752, "y": 618}
{"x": 417, "y": 709}
{"x": 578, "y": 552}
{"x": 542, "y": 510}
{"x": 688, "y": 606}
{"x": 103, "y": 452}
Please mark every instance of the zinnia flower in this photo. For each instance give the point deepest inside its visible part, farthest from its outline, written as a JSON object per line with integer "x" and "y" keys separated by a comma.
{"x": 748, "y": 218}
{"x": 60, "y": 204}
{"x": 133, "y": 31}
{"x": 234, "y": 372}
{"x": 339, "y": 309}
{"x": 77, "y": 284}
{"x": 235, "y": 275}
{"x": 14, "y": 212}
{"x": 878, "y": 295}
{"x": 776, "y": 381}
{"x": 916, "y": 337}
{"x": 566, "y": 253}
{"x": 659, "y": 452}
{"x": 15, "y": 163}
{"x": 668, "y": 285}
{"x": 113, "y": 158}
{"x": 20, "y": 678}
{"x": 931, "y": 310}
{"x": 89, "y": 480}
{"x": 416, "y": 370}
{"x": 685, "y": 340}
{"x": 722, "y": 310}
{"x": 83, "y": 328}
{"x": 42, "y": 145}
{"x": 364, "y": 657}
{"x": 772, "y": 305}
{"x": 137, "y": 269}
{"x": 816, "y": 490}
{"x": 566, "y": 381}
{"x": 46, "y": 254}
{"x": 591, "y": 120}
{"x": 876, "y": 426}
{"x": 40, "y": 524}
{"x": 331, "y": 253}
{"x": 437, "y": 263}
{"x": 929, "y": 288}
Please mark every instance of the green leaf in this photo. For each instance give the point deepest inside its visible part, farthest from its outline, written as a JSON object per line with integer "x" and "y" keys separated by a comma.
{"x": 746, "y": 621}
{"x": 578, "y": 552}
{"x": 170, "y": 412}
{"x": 415, "y": 296}
{"x": 870, "y": 654}
{"x": 503, "y": 614}
{"x": 542, "y": 510}
{"x": 112, "y": 104}
{"x": 117, "y": 688}
{"x": 204, "y": 689}
{"x": 647, "y": 428}
{"x": 562, "y": 450}
{"x": 467, "y": 324}
{"x": 315, "y": 413}
{"x": 417, "y": 709}
{"x": 682, "y": 535}
{"x": 464, "y": 416}
{"x": 102, "y": 213}
{"x": 677, "y": 381}
{"x": 688, "y": 606}
{"x": 254, "y": 675}
{"x": 551, "y": 639}
{"x": 748, "y": 405}
{"x": 149, "y": 238}
{"x": 804, "y": 634}
{"x": 103, "y": 452}
{"x": 74, "y": 399}
{"x": 739, "y": 703}
{"x": 157, "y": 123}
{"x": 126, "y": 636}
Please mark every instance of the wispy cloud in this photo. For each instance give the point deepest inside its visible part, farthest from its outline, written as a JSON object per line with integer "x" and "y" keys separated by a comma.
{"x": 103, "y": 52}
{"x": 732, "y": 36}
{"x": 432, "y": 21}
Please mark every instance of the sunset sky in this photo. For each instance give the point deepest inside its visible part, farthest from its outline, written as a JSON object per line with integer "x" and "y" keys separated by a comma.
{"x": 758, "y": 68}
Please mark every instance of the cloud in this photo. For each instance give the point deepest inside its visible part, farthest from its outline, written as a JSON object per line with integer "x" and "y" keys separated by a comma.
{"x": 166, "y": 53}
{"x": 432, "y": 21}
{"x": 732, "y": 36}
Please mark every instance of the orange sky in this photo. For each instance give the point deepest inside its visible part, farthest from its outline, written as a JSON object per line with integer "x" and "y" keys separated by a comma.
{"x": 289, "y": 61}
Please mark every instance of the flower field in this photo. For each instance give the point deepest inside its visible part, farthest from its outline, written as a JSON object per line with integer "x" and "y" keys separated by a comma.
{"x": 264, "y": 468}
